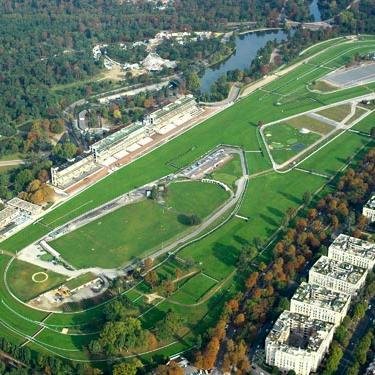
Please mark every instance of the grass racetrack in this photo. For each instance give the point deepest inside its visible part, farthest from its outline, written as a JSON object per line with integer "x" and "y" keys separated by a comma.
{"x": 267, "y": 198}
{"x": 132, "y": 231}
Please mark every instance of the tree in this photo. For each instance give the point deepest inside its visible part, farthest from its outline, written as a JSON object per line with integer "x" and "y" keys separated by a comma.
{"x": 210, "y": 354}
{"x": 334, "y": 358}
{"x": 123, "y": 335}
{"x": 170, "y": 325}
{"x": 171, "y": 369}
{"x": 22, "y": 179}
{"x": 193, "y": 82}
{"x": 57, "y": 126}
{"x": 152, "y": 278}
{"x": 127, "y": 368}
{"x": 169, "y": 287}
{"x": 359, "y": 311}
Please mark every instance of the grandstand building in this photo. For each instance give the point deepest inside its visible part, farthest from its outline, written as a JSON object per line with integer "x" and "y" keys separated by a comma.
{"x": 125, "y": 141}
{"x": 353, "y": 250}
{"x": 25, "y": 206}
{"x": 340, "y": 277}
{"x": 298, "y": 343}
{"x": 318, "y": 302}
{"x": 65, "y": 176}
{"x": 120, "y": 143}
{"x": 173, "y": 114}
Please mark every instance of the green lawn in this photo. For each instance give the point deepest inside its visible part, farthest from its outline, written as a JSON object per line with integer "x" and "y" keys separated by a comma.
{"x": 80, "y": 280}
{"x": 285, "y": 141}
{"x": 323, "y": 86}
{"x": 19, "y": 278}
{"x": 193, "y": 289}
{"x": 357, "y": 114}
{"x": 230, "y": 172}
{"x": 310, "y": 123}
{"x": 135, "y": 230}
{"x": 337, "y": 113}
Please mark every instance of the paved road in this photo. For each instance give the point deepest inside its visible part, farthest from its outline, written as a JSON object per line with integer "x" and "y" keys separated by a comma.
{"x": 6, "y": 163}
{"x": 232, "y": 96}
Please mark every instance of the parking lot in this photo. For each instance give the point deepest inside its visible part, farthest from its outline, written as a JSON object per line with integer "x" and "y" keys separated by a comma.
{"x": 365, "y": 73}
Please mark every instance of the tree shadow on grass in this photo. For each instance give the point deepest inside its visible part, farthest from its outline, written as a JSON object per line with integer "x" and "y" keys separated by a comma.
{"x": 275, "y": 211}
{"x": 242, "y": 241}
{"x": 290, "y": 197}
{"x": 226, "y": 254}
{"x": 269, "y": 220}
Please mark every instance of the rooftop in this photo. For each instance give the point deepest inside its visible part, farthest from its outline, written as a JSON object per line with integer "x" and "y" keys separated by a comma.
{"x": 371, "y": 203}
{"x": 24, "y": 205}
{"x": 172, "y": 106}
{"x": 7, "y": 212}
{"x": 338, "y": 270}
{"x": 117, "y": 136}
{"x": 296, "y": 332}
{"x": 321, "y": 297}
{"x": 354, "y": 246}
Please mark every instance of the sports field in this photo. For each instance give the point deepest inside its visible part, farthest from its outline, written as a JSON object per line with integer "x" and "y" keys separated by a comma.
{"x": 134, "y": 231}
{"x": 267, "y": 198}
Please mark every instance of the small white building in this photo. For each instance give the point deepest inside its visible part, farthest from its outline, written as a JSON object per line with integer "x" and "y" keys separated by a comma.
{"x": 337, "y": 276}
{"x": 369, "y": 209}
{"x": 318, "y": 302}
{"x": 353, "y": 250}
{"x": 298, "y": 343}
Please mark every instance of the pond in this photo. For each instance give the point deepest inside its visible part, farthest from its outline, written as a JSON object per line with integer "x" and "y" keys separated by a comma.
{"x": 314, "y": 10}
{"x": 247, "y": 47}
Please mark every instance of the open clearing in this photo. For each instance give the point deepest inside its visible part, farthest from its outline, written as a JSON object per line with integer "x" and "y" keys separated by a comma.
{"x": 20, "y": 280}
{"x": 134, "y": 230}
{"x": 267, "y": 198}
{"x": 312, "y": 124}
{"x": 337, "y": 113}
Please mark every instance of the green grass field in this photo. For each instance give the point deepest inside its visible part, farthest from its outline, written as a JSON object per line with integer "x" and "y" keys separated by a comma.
{"x": 310, "y": 123}
{"x": 19, "y": 278}
{"x": 230, "y": 172}
{"x": 285, "y": 141}
{"x": 134, "y": 230}
{"x": 337, "y": 113}
{"x": 266, "y": 200}
{"x": 193, "y": 289}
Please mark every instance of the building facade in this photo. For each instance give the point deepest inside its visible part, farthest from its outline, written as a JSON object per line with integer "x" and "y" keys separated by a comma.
{"x": 337, "y": 276}
{"x": 65, "y": 176}
{"x": 298, "y": 343}
{"x": 353, "y": 250}
{"x": 369, "y": 209}
{"x": 320, "y": 303}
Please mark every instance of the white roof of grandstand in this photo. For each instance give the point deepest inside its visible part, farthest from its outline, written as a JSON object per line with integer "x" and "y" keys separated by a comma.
{"x": 117, "y": 137}
{"x": 24, "y": 205}
{"x": 170, "y": 107}
{"x": 7, "y": 212}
